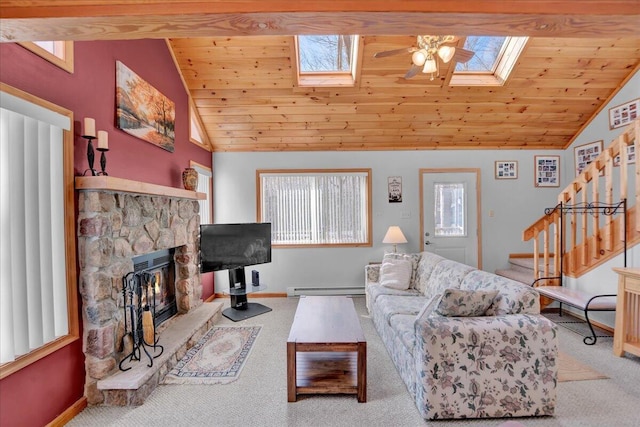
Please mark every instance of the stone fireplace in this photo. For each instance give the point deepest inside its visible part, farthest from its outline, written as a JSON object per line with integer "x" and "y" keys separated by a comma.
{"x": 118, "y": 221}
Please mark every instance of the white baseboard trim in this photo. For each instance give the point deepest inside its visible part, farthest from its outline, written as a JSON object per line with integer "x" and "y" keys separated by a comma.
{"x": 339, "y": 290}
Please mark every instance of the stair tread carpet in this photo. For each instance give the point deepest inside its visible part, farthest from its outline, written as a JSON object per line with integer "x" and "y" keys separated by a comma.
{"x": 519, "y": 276}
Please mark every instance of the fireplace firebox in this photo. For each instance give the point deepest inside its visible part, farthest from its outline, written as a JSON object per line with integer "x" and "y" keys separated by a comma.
{"x": 160, "y": 269}
{"x": 149, "y": 299}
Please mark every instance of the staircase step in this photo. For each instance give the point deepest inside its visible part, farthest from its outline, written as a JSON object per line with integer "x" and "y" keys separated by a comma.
{"x": 525, "y": 265}
{"x": 521, "y": 268}
{"x": 518, "y": 276}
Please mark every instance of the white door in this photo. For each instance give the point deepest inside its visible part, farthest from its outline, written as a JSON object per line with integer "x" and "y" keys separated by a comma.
{"x": 449, "y": 214}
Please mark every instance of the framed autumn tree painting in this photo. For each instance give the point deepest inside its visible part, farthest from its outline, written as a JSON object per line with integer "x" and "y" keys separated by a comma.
{"x": 142, "y": 110}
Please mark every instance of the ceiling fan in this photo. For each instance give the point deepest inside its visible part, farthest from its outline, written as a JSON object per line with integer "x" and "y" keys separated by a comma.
{"x": 425, "y": 56}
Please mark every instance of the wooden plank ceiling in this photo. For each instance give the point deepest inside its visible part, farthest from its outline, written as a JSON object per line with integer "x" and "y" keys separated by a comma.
{"x": 236, "y": 61}
{"x": 244, "y": 91}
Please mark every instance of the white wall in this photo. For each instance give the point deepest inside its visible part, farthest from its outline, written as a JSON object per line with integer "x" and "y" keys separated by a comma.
{"x": 515, "y": 203}
{"x": 603, "y": 280}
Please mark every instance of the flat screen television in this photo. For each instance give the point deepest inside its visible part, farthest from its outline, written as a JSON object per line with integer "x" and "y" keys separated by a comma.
{"x": 234, "y": 246}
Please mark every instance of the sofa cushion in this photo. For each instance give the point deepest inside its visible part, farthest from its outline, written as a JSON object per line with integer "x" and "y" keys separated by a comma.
{"x": 428, "y": 307}
{"x": 447, "y": 274}
{"x": 460, "y": 303}
{"x": 426, "y": 265}
{"x": 413, "y": 258}
{"x": 513, "y": 297}
{"x": 403, "y": 326}
{"x": 375, "y": 290}
{"x": 396, "y": 273}
{"x": 389, "y": 305}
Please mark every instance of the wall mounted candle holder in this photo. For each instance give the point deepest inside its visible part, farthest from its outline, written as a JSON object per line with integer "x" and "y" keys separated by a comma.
{"x": 89, "y": 133}
{"x": 103, "y": 161}
{"x": 103, "y": 147}
{"x": 90, "y": 154}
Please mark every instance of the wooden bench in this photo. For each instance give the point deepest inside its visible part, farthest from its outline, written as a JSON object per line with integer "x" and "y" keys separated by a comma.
{"x": 580, "y": 300}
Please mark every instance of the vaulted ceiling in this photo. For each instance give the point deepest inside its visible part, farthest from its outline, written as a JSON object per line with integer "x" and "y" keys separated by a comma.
{"x": 243, "y": 88}
{"x": 236, "y": 62}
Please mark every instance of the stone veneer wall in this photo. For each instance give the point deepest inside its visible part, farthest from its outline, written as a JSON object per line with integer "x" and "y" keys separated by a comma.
{"x": 113, "y": 227}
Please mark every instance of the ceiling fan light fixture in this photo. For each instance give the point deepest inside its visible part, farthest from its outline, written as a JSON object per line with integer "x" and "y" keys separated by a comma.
{"x": 419, "y": 57}
{"x": 430, "y": 66}
{"x": 446, "y": 53}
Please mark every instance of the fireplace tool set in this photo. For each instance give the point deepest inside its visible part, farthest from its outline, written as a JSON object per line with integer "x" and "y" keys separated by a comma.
{"x": 139, "y": 297}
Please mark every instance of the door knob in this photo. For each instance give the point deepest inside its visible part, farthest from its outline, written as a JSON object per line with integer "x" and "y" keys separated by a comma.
{"x": 426, "y": 242}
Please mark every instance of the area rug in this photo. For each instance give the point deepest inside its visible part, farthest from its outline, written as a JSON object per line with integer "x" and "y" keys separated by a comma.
{"x": 570, "y": 369}
{"x": 217, "y": 358}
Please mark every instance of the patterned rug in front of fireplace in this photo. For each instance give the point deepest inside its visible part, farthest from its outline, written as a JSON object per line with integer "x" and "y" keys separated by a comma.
{"x": 217, "y": 358}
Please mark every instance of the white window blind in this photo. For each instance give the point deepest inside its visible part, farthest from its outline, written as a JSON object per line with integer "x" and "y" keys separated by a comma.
{"x": 204, "y": 186}
{"x": 316, "y": 208}
{"x": 33, "y": 285}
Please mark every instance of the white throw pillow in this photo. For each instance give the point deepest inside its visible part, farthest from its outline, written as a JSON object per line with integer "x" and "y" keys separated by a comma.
{"x": 396, "y": 274}
{"x": 414, "y": 258}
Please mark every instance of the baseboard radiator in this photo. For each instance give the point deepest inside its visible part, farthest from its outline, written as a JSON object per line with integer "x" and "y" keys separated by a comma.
{"x": 339, "y": 290}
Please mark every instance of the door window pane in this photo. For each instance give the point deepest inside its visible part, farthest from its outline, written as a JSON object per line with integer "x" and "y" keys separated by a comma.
{"x": 450, "y": 209}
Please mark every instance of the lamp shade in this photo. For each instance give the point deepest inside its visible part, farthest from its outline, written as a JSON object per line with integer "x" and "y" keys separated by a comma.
{"x": 446, "y": 53}
{"x": 419, "y": 57}
{"x": 430, "y": 66}
{"x": 394, "y": 236}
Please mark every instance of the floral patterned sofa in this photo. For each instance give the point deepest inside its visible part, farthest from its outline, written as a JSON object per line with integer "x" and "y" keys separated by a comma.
{"x": 499, "y": 364}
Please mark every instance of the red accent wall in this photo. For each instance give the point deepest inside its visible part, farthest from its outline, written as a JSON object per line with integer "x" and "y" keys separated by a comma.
{"x": 40, "y": 392}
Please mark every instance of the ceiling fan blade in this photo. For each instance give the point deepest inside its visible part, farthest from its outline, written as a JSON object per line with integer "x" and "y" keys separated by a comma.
{"x": 412, "y": 71}
{"x": 394, "y": 52}
{"x": 462, "y": 55}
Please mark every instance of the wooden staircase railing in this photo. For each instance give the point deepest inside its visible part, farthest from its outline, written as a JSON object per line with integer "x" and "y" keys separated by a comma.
{"x": 590, "y": 238}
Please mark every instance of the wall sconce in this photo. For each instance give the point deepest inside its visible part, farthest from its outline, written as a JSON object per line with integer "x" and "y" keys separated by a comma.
{"x": 394, "y": 236}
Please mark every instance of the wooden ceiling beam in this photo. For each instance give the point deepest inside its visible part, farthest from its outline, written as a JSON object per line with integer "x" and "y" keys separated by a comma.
{"x": 122, "y": 20}
{"x": 79, "y": 8}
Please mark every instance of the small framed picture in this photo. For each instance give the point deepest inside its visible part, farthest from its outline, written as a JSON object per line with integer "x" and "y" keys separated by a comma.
{"x": 623, "y": 114}
{"x": 395, "y": 189}
{"x": 547, "y": 171}
{"x": 631, "y": 156}
{"x": 506, "y": 169}
{"x": 585, "y": 154}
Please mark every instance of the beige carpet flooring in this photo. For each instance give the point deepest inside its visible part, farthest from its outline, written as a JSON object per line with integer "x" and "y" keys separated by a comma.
{"x": 258, "y": 398}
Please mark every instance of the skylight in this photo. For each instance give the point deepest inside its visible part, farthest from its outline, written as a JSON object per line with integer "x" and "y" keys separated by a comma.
{"x": 327, "y": 60}
{"x": 487, "y": 52}
{"x": 492, "y": 63}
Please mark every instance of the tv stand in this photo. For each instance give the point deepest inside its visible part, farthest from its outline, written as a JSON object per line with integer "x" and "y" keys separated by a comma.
{"x": 240, "y": 308}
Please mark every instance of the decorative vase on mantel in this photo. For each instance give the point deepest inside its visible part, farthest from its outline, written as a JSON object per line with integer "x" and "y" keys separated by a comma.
{"x": 190, "y": 179}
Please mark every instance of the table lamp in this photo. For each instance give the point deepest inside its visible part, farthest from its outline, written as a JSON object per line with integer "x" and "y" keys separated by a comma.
{"x": 394, "y": 236}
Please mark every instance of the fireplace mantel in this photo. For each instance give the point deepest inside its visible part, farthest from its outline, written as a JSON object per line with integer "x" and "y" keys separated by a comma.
{"x": 110, "y": 183}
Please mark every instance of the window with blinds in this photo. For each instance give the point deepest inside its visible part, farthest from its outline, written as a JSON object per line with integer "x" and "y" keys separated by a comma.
{"x": 316, "y": 207}
{"x": 37, "y": 247}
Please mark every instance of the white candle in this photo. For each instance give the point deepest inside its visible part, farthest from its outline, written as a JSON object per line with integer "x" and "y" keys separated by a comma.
{"x": 89, "y": 127}
{"x": 103, "y": 140}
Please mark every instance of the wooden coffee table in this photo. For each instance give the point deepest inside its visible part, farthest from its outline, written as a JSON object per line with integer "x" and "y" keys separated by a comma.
{"x": 326, "y": 349}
